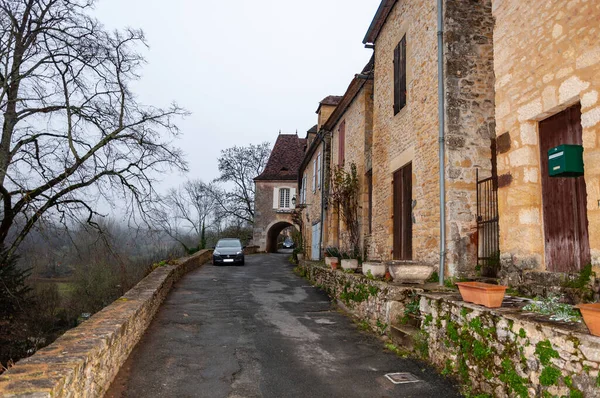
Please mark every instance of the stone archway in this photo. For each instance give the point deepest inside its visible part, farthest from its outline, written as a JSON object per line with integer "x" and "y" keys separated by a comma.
{"x": 273, "y": 232}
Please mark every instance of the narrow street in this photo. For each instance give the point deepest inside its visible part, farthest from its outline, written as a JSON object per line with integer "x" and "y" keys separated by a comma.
{"x": 260, "y": 331}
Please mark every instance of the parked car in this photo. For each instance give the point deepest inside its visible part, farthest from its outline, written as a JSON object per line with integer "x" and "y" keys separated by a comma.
{"x": 228, "y": 251}
{"x": 288, "y": 243}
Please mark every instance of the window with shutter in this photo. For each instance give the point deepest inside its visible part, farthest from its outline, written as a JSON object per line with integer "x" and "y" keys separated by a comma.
{"x": 284, "y": 198}
{"x": 400, "y": 75}
{"x": 342, "y": 143}
{"x": 314, "y": 175}
{"x": 319, "y": 171}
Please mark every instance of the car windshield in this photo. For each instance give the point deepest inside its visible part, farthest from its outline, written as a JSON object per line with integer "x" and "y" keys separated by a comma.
{"x": 229, "y": 243}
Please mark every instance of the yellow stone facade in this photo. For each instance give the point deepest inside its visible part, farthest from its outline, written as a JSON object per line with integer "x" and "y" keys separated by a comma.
{"x": 358, "y": 122}
{"x": 546, "y": 59}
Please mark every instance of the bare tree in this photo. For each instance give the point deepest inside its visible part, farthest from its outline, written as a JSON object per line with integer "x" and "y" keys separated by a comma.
{"x": 186, "y": 212}
{"x": 71, "y": 127}
{"x": 239, "y": 166}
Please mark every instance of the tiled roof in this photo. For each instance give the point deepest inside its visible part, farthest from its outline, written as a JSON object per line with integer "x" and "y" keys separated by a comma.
{"x": 330, "y": 100}
{"x": 385, "y": 7}
{"x": 313, "y": 129}
{"x": 285, "y": 159}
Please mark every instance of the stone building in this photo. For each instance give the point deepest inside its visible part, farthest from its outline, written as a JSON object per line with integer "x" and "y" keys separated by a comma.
{"x": 275, "y": 190}
{"x": 312, "y": 180}
{"x": 547, "y": 68}
{"x": 350, "y": 127}
{"x": 405, "y": 163}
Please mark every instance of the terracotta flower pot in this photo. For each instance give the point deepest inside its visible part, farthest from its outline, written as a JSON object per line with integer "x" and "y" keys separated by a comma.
{"x": 485, "y": 294}
{"x": 591, "y": 317}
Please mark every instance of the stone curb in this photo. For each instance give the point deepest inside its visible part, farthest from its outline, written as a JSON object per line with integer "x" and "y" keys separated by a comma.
{"x": 84, "y": 361}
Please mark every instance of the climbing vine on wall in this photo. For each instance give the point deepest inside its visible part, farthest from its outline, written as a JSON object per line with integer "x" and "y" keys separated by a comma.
{"x": 344, "y": 197}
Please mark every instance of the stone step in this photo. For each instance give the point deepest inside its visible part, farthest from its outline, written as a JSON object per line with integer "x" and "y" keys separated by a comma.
{"x": 403, "y": 335}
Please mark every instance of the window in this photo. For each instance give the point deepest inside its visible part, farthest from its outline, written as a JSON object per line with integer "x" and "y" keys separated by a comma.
{"x": 284, "y": 198}
{"x": 303, "y": 193}
{"x": 342, "y": 143}
{"x": 400, "y": 75}
{"x": 319, "y": 171}
{"x": 314, "y": 175}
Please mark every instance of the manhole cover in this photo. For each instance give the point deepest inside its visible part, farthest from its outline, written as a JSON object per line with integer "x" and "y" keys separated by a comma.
{"x": 402, "y": 378}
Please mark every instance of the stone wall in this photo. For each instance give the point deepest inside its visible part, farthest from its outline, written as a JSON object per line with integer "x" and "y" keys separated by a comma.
{"x": 357, "y": 119}
{"x": 501, "y": 352}
{"x": 84, "y": 361}
{"x": 270, "y": 221}
{"x": 470, "y": 123}
{"x": 412, "y": 134}
{"x": 507, "y": 353}
{"x": 311, "y": 214}
{"x": 547, "y": 58}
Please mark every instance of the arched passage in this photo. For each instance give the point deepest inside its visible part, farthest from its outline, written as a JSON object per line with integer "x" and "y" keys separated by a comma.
{"x": 273, "y": 232}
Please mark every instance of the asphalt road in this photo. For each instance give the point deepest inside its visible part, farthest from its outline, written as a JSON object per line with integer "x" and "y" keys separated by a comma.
{"x": 261, "y": 331}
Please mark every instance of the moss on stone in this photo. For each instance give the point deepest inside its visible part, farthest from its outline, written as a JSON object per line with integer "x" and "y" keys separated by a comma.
{"x": 545, "y": 352}
{"x": 550, "y": 376}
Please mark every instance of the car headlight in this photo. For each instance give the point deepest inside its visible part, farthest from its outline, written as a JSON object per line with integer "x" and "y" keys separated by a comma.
{"x": 217, "y": 253}
{"x": 239, "y": 253}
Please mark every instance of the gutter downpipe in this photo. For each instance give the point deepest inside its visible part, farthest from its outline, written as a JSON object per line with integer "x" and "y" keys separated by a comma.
{"x": 441, "y": 115}
{"x": 324, "y": 143}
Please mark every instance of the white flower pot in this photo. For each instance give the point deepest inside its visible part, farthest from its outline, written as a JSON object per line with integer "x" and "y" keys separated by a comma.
{"x": 349, "y": 263}
{"x": 409, "y": 272}
{"x": 377, "y": 269}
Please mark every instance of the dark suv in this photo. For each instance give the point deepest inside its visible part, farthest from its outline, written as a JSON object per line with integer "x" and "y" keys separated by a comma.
{"x": 228, "y": 251}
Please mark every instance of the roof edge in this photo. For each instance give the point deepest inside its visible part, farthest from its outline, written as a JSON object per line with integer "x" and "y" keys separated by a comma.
{"x": 379, "y": 20}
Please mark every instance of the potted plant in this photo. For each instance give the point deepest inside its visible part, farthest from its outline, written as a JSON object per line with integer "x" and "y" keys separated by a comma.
{"x": 485, "y": 294}
{"x": 377, "y": 269}
{"x": 591, "y": 317}
{"x": 332, "y": 257}
{"x": 410, "y": 271}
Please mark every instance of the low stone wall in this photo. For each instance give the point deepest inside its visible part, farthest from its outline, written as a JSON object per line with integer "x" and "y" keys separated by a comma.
{"x": 505, "y": 352}
{"x": 500, "y": 352}
{"x": 371, "y": 300}
{"x": 84, "y": 361}
{"x": 248, "y": 250}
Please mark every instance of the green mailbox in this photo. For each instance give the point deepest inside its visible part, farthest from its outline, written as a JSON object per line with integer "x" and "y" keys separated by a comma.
{"x": 565, "y": 161}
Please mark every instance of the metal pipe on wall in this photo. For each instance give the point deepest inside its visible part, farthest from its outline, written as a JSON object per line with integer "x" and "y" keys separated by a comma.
{"x": 442, "y": 154}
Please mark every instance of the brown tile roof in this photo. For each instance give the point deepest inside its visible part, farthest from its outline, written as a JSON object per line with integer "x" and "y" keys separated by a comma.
{"x": 379, "y": 20}
{"x": 329, "y": 100}
{"x": 285, "y": 159}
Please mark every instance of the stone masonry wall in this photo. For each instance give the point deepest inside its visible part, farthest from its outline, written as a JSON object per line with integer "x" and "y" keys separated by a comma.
{"x": 265, "y": 216}
{"x": 502, "y": 352}
{"x": 412, "y": 134}
{"x": 84, "y": 361}
{"x": 470, "y": 124}
{"x": 546, "y": 59}
{"x": 507, "y": 353}
{"x": 311, "y": 214}
{"x": 355, "y": 118}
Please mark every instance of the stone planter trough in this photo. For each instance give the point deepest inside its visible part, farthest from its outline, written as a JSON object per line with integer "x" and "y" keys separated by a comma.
{"x": 377, "y": 269}
{"x": 591, "y": 317}
{"x": 409, "y": 272}
{"x": 485, "y": 294}
{"x": 349, "y": 263}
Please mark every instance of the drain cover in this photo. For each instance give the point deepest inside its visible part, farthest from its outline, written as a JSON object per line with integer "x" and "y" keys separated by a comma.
{"x": 402, "y": 378}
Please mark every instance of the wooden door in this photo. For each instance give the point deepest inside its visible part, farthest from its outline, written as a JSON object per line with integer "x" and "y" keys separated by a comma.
{"x": 567, "y": 245}
{"x": 403, "y": 213}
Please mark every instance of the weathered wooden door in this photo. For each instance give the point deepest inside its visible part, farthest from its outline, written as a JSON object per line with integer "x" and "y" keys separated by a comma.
{"x": 315, "y": 248}
{"x": 567, "y": 245}
{"x": 403, "y": 213}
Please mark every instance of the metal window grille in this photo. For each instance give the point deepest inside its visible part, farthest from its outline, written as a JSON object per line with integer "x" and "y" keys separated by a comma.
{"x": 488, "y": 233}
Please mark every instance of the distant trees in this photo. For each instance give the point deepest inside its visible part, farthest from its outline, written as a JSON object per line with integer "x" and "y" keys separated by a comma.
{"x": 70, "y": 121}
{"x": 238, "y": 167}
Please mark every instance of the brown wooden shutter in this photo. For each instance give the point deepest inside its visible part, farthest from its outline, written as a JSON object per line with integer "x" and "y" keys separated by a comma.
{"x": 342, "y": 143}
{"x": 400, "y": 75}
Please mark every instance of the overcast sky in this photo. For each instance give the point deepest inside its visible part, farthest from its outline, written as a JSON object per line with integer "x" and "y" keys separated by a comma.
{"x": 244, "y": 68}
